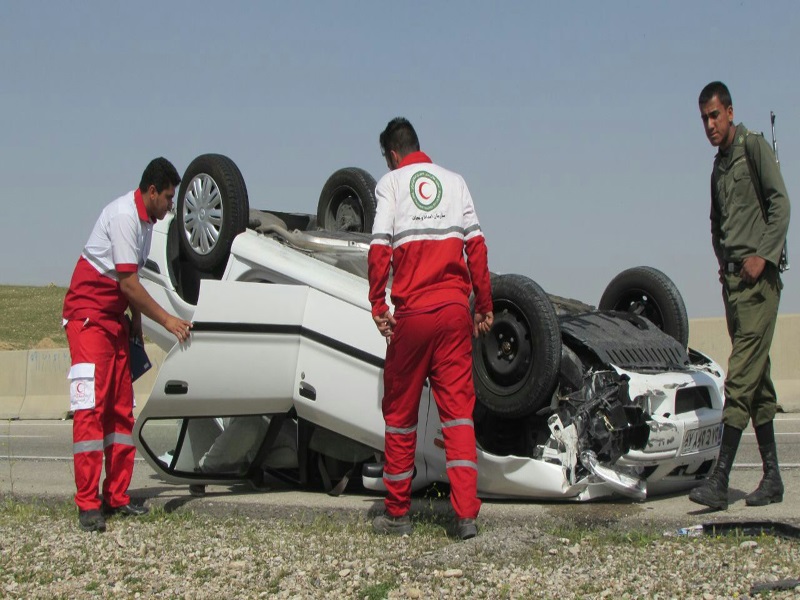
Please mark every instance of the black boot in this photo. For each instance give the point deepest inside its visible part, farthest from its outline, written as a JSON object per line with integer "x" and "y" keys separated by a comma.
{"x": 714, "y": 492}
{"x": 771, "y": 487}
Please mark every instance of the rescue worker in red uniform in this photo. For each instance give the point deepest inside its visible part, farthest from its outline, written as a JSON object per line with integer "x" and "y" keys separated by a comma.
{"x": 424, "y": 222}
{"x": 104, "y": 284}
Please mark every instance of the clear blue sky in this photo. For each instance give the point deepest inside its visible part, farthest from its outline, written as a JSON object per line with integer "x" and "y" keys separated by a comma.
{"x": 575, "y": 124}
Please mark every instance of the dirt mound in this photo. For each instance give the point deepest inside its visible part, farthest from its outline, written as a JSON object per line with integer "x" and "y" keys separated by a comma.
{"x": 46, "y": 344}
{"x": 6, "y": 346}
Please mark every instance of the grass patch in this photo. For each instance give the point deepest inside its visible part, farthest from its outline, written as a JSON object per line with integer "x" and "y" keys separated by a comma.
{"x": 36, "y": 508}
{"x": 30, "y": 317}
{"x": 604, "y": 536}
{"x": 377, "y": 591}
{"x": 179, "y": 567}
{"x": 274, "y": 583}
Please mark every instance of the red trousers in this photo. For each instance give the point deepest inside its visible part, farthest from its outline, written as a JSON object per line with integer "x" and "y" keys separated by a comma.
{"x": 436, "y": 345}
{"x": 105, "y": 428}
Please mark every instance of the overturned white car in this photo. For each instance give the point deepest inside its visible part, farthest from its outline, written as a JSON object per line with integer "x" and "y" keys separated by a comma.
{"x": 282, "y": 375}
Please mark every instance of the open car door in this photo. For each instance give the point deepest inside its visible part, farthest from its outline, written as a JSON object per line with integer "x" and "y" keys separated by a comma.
{"x": 266, "y": 367}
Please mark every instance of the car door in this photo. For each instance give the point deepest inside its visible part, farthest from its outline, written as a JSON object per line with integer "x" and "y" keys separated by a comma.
{"x": 258, "y": 351}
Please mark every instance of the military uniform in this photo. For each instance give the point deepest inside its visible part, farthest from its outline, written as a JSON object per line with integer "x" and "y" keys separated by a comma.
{"x": 749, "y": 217}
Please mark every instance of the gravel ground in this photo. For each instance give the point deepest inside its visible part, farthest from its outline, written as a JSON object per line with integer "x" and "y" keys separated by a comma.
{"x": 216, "y": 554}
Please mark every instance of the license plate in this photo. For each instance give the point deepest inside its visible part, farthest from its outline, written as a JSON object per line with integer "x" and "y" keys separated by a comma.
{"x": 703, "y": 438}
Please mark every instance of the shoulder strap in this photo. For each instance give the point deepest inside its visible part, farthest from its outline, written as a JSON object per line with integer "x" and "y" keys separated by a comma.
{"x": 756, "y": 181}
{"x": 783, "y": 262}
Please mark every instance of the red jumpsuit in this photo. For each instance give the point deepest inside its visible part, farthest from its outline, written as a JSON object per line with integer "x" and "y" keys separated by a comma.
{"x": 425, "y": 221}
{"x": 101, "y": 391}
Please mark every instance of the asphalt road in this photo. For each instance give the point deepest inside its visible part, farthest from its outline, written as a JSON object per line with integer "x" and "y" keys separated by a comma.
{"x": 36, "y": 460}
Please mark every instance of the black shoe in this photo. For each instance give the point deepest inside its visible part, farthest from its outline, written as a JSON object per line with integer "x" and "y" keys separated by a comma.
{"x": 392, "y": 525}
{"x": 197, "y": 490}
{"x": 770, "y": 490}
{"x": 91, "y": 520}
{"x": 128, "y": 510}
{"x": 466, "y": 529}
{"x": 714, "y": 491}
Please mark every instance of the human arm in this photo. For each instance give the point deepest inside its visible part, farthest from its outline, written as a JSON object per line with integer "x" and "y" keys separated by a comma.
{"x": 144, "y": 304}
{"x": 716, "y": 230}
{"x": 125, "y": 251}
{"x": 136, "y": 332}
{"x": 379, "y": 258}
{"x": 478, "y": 266}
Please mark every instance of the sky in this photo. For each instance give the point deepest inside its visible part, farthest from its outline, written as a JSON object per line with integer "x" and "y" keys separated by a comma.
{"x": 575, "y": 124}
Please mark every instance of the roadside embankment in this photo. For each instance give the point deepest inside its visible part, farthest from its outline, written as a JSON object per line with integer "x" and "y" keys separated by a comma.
{"x": 33, "y": 383}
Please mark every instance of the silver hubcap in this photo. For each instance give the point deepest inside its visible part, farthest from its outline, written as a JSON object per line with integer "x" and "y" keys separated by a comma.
{"x": 202, "y": 213}
{"x": 347, "y": 218}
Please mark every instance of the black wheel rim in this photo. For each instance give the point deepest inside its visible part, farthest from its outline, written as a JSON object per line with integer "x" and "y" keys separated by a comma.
{"x": 344, "y": 212}
{"x": 506, "y": 353}
{"x": 639, "y": 302}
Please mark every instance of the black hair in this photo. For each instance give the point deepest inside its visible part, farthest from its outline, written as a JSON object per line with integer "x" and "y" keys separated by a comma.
{"x": 718, "y": 89}
{"x": 399, "y": 136}
{"x": 160, "y": 173}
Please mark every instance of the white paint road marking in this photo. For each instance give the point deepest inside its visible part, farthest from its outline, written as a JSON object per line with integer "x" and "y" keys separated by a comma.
{"x": 759, "y": 465}
{"x": 69, "y": 458}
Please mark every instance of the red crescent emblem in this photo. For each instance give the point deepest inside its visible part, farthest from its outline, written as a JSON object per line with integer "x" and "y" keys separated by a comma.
{"x": 80, "y": 388}
{"x": 420, "y": 192}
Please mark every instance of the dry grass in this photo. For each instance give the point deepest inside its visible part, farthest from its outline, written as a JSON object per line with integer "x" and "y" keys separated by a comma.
{"x": 30, "y": 317}
{"x": 220, "y": 553}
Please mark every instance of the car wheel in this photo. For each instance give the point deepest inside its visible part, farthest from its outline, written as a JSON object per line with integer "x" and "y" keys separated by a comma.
{"x": 515, "y": 365}
{"x": 212, "y": 210}
{"x": 648, "y": 292}
{"x": 347, "y": 201}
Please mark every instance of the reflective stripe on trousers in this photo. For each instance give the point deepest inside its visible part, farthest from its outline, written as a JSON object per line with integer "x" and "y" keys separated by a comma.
{"x": 107, "y": 427}
{"x": 436, "y": 345}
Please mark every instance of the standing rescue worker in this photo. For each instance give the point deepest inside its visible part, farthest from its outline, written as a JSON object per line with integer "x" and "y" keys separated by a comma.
{"x": 749, "y": 220}
{"x": 424, "y": 222}
{"x": 104, "y": 284}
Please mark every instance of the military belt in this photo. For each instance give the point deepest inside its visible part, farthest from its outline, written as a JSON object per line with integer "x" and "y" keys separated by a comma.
{"x": 733, "y": 267}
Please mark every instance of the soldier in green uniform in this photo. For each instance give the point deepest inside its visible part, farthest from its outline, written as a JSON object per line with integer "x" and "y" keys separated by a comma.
{"x": 749, "y": 220}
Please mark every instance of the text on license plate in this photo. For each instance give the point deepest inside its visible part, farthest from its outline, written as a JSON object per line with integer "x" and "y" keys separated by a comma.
{"x": 703, "y": 438}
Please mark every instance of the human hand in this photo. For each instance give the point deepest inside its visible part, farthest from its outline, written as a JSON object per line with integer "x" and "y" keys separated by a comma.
{"x": 482, "y": 323}
{"x": 752, "y": 268}
{"x": 178, "y": 327}
{"x": 136, "y": 332}
{"x": 385, "y": 323}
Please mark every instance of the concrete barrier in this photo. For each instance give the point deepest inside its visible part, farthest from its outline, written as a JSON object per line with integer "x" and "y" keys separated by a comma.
{"x": 33, "y": 383}
{"x": 710, "y": 336}
{"x": 13, "y": 380}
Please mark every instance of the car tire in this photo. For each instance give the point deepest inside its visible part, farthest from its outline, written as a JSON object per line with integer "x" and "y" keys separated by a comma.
{"x": 649, "y": 293}
{"x": 347, "y": 201}
{"x": 515, "y": 365}
{"x": 212, "y": 210}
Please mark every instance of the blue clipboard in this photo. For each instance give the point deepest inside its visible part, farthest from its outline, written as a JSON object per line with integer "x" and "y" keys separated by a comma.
{"x": 140, "y": 363}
